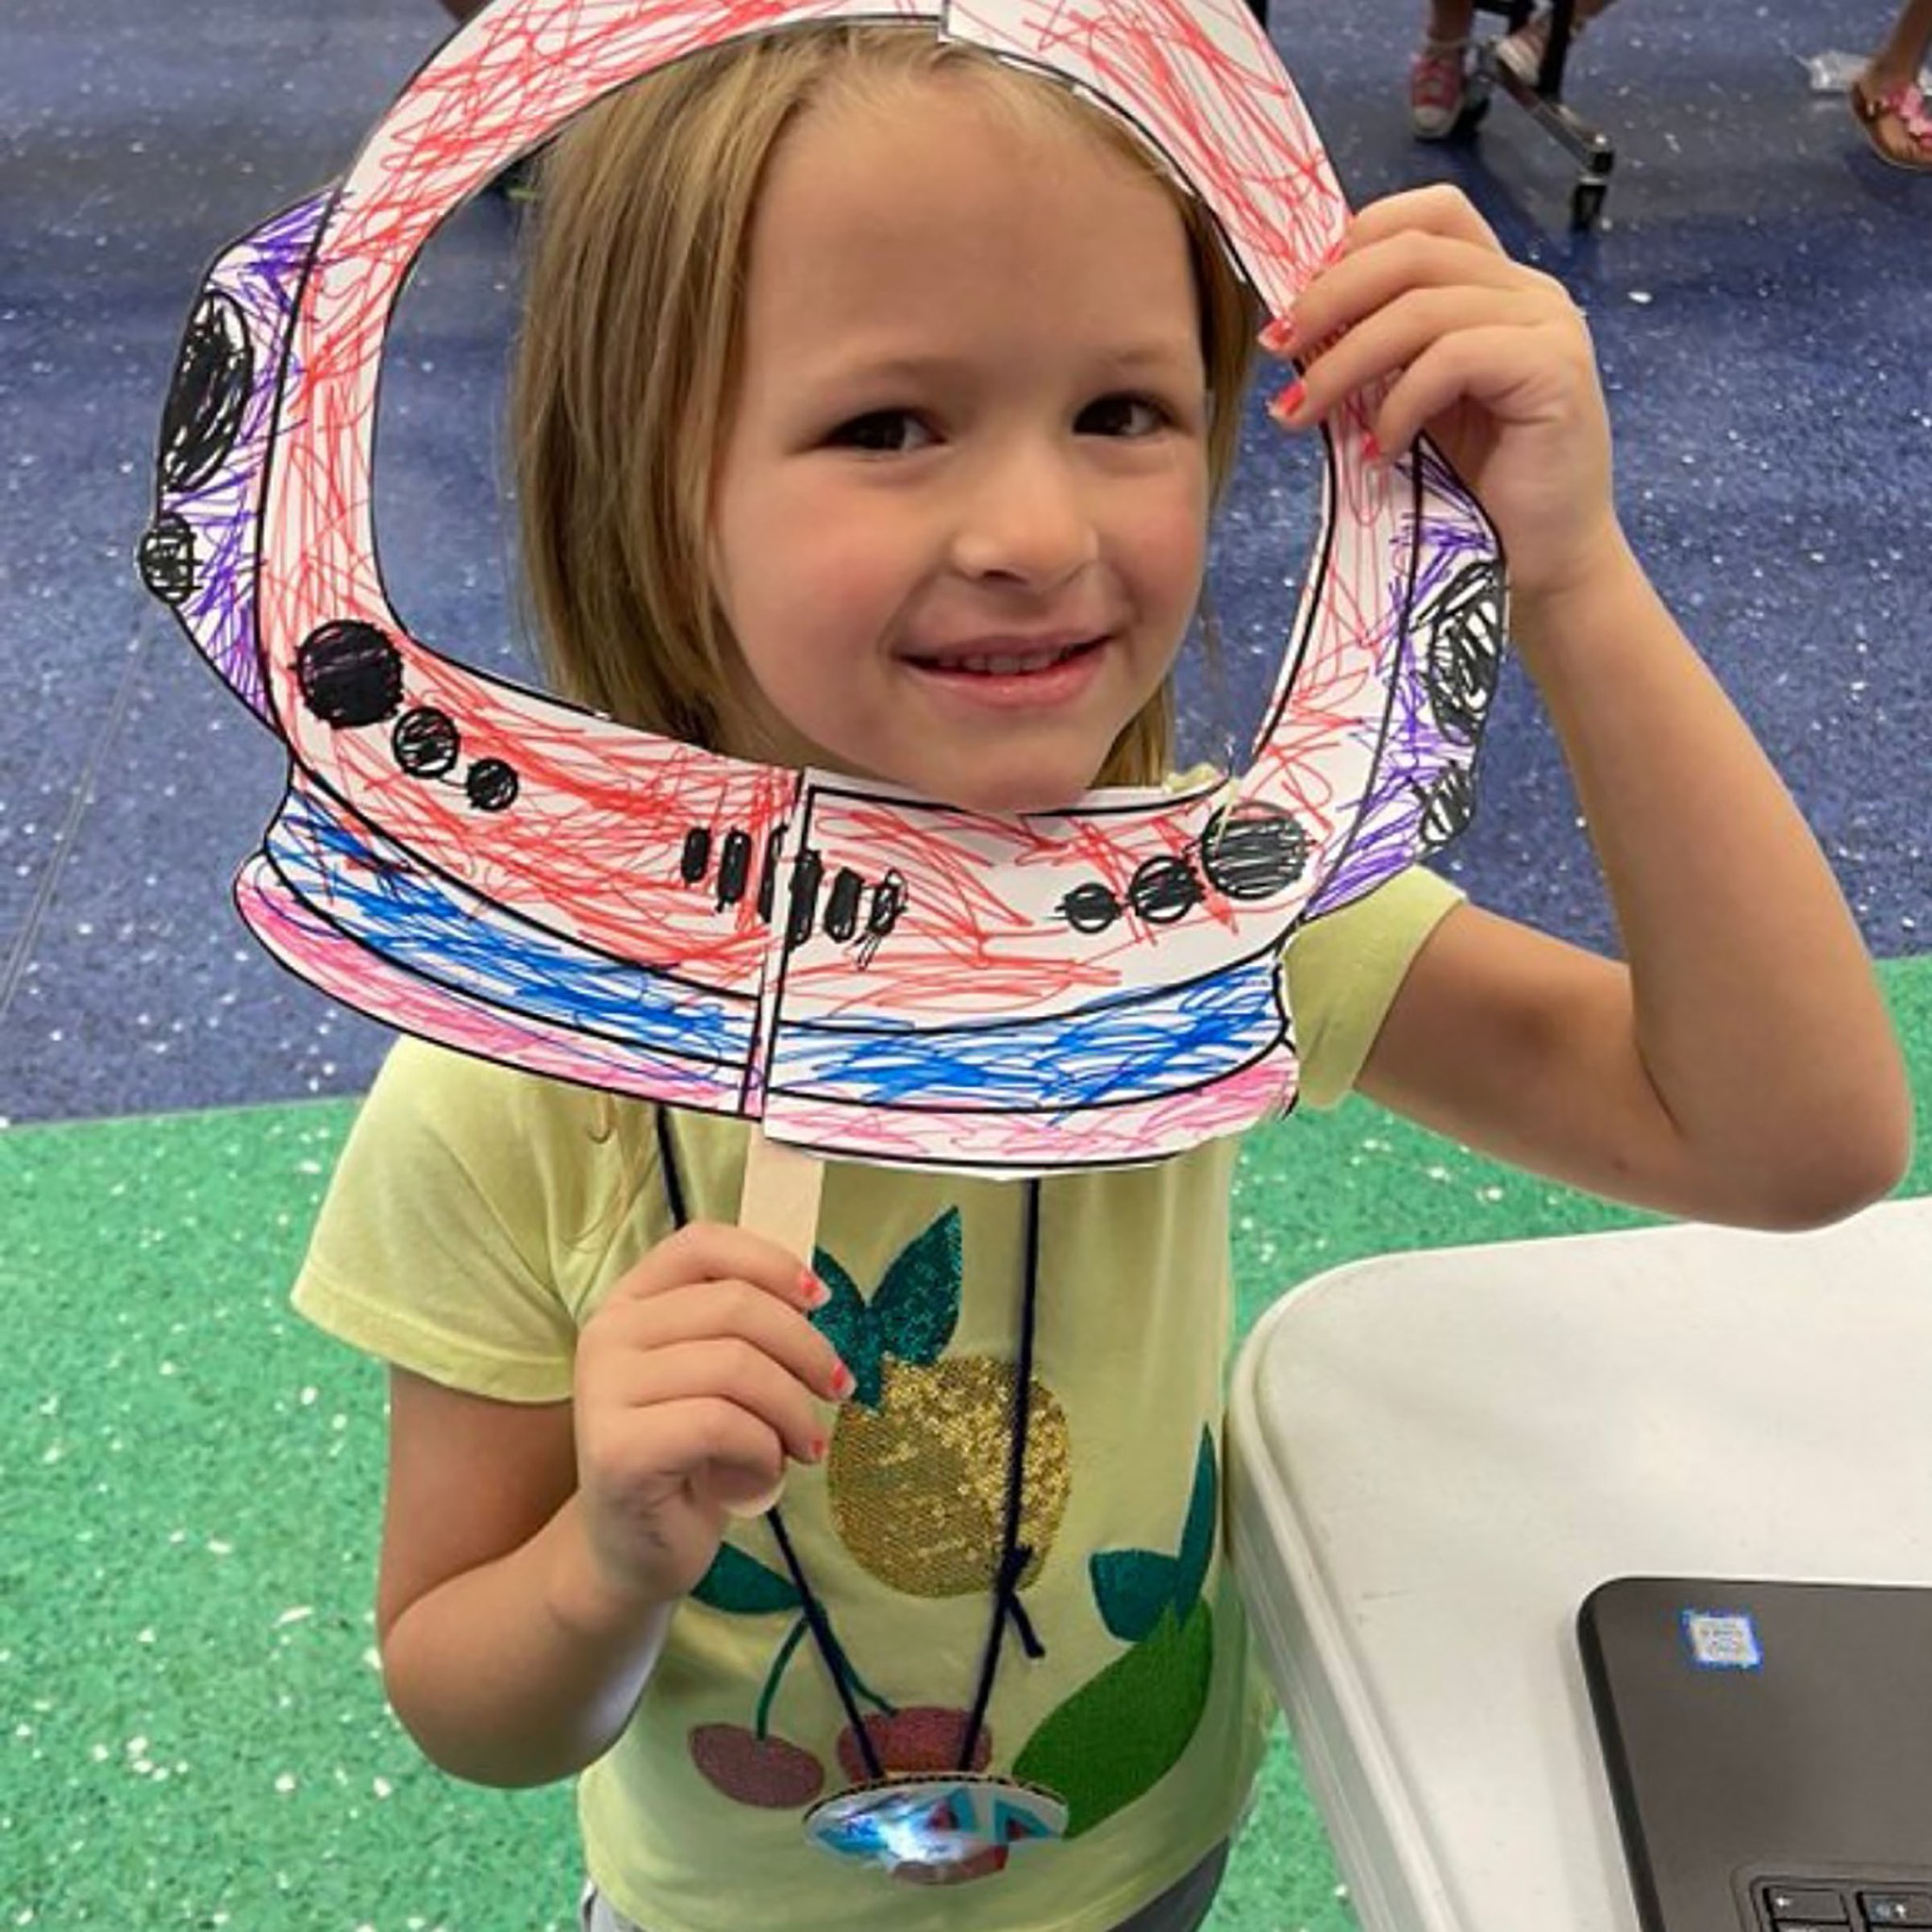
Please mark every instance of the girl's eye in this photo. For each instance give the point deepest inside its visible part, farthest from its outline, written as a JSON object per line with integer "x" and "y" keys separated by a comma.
{"x": 1128, "y": 416}
{"x": 881, "y": 432}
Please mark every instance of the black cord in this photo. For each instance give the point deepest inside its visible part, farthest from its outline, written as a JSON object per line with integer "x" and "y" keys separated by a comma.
{"x": 667, "y": 1163}
{"x": 828, "y": 1646}
{"x": 816, "y": 1619}
{"x": 1014, "y": 1554}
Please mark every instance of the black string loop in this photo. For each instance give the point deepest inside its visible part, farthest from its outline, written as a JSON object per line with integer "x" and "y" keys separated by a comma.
{"x": 1014, "y": 1554}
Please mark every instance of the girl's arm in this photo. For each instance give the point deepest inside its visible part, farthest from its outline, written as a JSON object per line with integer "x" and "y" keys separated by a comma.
{"x": 1741, "y": 1066}
{"x": 533, "y": 1556}
{"x": 504, "y": 1655}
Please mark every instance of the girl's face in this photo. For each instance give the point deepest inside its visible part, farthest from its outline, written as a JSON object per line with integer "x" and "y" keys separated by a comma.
{"x": 960, "y": 511}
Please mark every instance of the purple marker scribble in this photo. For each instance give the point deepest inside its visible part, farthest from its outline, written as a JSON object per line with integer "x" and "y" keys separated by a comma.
{"x": 1446, "y": 589}
{"x": 258, "y": 278}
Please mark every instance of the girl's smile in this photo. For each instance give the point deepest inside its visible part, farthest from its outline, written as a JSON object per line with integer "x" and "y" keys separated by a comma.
{"x": 1013, "y": 669}
{"x": 959, "y": 515}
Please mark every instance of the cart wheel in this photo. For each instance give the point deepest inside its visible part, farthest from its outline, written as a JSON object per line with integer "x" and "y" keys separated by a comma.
{"x": 1587, "y": 203}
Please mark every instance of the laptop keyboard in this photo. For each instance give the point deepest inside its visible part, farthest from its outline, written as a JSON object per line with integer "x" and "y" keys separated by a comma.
{"x": 1838, "y": 1905}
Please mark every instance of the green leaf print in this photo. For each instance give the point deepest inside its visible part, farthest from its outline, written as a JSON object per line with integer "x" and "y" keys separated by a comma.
{"x": 1122, "y": 1732}
{"x": 853, "y": 1329}
{"x": 1134, "y": 1586}
{"x": 918, "y": 1302}
{"x": 1202, "y": 1527}
{"x": 1134, "y": 1589}
{"x": 743, "y": 1587}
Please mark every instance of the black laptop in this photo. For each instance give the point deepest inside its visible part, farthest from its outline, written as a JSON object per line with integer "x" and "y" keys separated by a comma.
{"x": 1769, "y": 1747}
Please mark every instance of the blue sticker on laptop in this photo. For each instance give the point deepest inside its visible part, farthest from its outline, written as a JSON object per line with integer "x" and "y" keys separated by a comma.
{"x": 1723, "y": 1639}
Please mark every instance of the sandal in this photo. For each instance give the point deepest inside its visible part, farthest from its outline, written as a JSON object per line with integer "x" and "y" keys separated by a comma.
{"x": 1438, "y": 88}
{"x": 1896, "y": 122}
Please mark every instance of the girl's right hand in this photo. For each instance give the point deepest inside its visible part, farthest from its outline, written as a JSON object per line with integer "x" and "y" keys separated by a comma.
{"x": 697, "y": 1378}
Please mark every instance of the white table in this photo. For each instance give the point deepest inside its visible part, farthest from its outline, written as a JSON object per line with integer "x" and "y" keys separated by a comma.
{"x": 1434, "y": 1457}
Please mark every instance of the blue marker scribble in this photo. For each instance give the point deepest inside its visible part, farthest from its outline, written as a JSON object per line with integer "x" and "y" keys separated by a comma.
{"x": 1132, "y": 1047}
{"x": 388, "y": 902}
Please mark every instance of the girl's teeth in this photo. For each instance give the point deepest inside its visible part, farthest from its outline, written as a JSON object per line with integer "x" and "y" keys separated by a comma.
{"x": 1004, "y": 667}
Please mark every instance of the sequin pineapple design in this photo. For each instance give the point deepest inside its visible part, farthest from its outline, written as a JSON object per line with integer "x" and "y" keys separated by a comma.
{"x": 921, "y": 1458}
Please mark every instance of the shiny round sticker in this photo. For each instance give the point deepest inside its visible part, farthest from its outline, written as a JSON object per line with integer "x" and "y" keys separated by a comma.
{"x": 937, "y": 1831}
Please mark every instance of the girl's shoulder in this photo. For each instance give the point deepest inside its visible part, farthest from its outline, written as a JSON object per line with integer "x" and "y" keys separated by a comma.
{"x": 469, "y": 1102}
{"x": 544, "y": 1151}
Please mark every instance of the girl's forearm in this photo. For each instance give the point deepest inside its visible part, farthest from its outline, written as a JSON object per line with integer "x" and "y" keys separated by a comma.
{"x": 1757, "y": 1016}
{"x": 524, "y": 1670}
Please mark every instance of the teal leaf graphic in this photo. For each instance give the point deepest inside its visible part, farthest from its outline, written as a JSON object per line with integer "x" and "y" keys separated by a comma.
{"x": 1134, "y": 1589}
{"x": 1198, "y": 1536}
{"x": 917, "y": 1307}
{"x": 853, "y": 1329}
{"x": 743, "y": 1587}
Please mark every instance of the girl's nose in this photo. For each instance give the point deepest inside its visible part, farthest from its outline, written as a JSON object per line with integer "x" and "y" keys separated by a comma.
{"x": 1027, "y": 519}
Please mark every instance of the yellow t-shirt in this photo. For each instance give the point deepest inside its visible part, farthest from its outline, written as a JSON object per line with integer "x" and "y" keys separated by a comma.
{"x": 477, "y": 1215}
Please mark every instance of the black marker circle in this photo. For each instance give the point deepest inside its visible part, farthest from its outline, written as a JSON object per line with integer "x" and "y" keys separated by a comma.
{"x": 1091, "y": 907}
{"x": 426, "y": 743}
{"x": 206, "y": 399}
{"x": 888, "y": 904}
{"x": 350, "y": 674}
{"x": 841, "y": 905}
{"x": 1448, "y": 806}
{"x": 491, "y": 785}
{"x": 166, "y": 558}
{"x": 695, "y": 860}
{"x": 1465, "y": 652}
{"x": 1253, "y": 851}
{"x": 1165, "y": 890}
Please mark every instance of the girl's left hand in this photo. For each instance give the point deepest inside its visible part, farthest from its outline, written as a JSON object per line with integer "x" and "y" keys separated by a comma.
{"x": 1490, "y": 358}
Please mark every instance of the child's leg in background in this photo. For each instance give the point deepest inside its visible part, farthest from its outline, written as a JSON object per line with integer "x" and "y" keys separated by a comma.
{"x": 1439, "y": 73}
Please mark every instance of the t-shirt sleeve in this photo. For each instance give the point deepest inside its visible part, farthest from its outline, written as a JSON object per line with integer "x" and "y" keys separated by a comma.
{"x": 1344, "y": 972}
{"x": 460, "y": 1231}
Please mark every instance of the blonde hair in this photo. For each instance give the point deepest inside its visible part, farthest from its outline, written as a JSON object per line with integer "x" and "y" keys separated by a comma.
{"x": 628, "y": 362}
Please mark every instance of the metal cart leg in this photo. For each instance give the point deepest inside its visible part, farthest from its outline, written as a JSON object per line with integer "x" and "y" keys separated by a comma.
{"x": 1541, "y": 98}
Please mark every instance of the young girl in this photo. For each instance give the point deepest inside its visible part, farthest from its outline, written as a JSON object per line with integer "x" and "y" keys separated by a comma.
{"x": 871, "y": 401}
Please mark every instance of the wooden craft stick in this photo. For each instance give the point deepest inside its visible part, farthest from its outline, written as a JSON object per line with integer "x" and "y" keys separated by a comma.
{"x": 782, "y": 1187}
{"x": 780, "y": 1201}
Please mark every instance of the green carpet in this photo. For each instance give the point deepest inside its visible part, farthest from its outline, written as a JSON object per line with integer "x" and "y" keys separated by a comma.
{"x": 195, "y": 1731}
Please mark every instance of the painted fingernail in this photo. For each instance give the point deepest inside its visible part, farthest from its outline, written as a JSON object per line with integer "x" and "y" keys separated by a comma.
{"x": 814, "y": 1292}
{"x": 842, "y": 1383}
{"x": 1372, "y": 450}
{"x": 1287, "y": 406}
{"x": 818, "y": 1449}
{"x": 1279, "y": 333}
